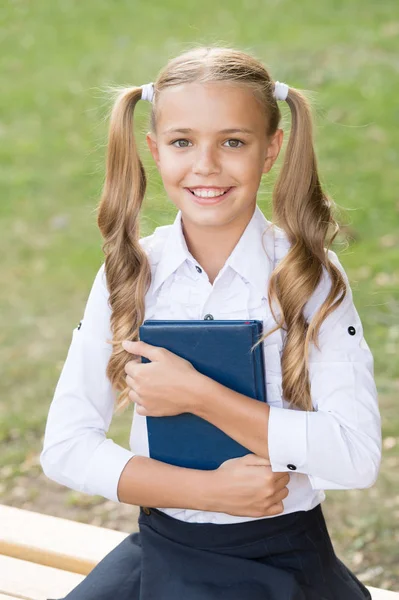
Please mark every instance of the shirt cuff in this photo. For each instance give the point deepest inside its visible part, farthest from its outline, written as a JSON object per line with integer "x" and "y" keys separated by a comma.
{"x": 105, "y": 468}
{"x": 287, "y": 439}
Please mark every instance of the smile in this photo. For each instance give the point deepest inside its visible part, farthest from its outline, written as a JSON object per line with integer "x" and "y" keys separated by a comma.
{"x": 209, "y": 195}
{"x": 208, "y": 192}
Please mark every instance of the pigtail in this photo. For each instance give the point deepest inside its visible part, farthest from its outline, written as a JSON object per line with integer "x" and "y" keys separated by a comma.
{"x": 303, "y": 211}
{"x": 127, "y": 268}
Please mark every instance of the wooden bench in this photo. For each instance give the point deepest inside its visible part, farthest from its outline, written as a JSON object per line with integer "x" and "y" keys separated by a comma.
{"x": 46, "y": 557}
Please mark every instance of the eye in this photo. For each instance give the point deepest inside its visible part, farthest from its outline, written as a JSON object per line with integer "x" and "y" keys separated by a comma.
{"x": 176, "y": 141}
{"x": 235, "y": 143}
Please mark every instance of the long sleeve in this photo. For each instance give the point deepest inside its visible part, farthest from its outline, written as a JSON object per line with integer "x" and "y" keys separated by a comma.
{"x": 76, "y": 452}
{"x": 339, "y": 445}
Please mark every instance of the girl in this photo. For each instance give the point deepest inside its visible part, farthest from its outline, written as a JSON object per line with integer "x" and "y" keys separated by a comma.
{"x": 253, "y": 529}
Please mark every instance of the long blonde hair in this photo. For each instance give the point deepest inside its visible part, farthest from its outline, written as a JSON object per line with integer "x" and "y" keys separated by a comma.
{"x": 300, "y": 208}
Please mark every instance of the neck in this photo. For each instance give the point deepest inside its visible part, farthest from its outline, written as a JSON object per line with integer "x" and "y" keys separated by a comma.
{"x": 211, "y": 246}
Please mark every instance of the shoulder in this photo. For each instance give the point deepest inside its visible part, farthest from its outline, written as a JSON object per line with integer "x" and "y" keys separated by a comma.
{"x": 99, "y": 289}
{"x": 280, "y": 241}
{"x": 323, "y": 289}
{"x": 153, "y": 244}
{"x": 281, "y": 248}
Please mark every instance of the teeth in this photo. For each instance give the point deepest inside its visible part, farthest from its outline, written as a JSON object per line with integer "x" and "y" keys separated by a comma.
{"x": 208, "y": 193}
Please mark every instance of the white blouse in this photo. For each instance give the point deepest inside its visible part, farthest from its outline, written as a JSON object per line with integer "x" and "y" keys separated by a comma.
{"x": 336, "y": 447}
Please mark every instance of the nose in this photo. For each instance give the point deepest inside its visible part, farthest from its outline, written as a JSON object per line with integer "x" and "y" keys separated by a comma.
{"x": 206, "y": 161}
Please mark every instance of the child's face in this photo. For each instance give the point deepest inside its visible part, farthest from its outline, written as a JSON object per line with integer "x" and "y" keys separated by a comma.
{"x": 207, "y": 157}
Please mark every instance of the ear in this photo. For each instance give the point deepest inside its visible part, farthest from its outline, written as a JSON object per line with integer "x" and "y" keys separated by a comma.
{"x": 273, "y": 150}
{"x": 153, "y": 146}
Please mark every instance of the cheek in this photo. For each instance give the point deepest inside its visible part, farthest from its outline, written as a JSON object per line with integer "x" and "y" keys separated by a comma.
{"x": 247, "y": 170}
{"x": 172, "y": 167}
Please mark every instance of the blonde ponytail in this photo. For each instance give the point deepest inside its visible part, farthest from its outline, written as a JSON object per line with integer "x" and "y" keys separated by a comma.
{"x": 127, "y": 268}
{"x": 303, "y": 211}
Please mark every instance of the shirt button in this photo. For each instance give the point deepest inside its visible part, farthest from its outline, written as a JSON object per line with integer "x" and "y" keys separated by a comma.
{"x": 146, "y": 510}
{"x": 198, "y": 269}
{"x": 351, "y": 330}
{"x": 208, "y": 317}
{"x": 291, "y": 467}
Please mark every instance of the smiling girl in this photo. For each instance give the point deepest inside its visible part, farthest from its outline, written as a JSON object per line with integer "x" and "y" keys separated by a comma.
{"x": 253, "y": 529}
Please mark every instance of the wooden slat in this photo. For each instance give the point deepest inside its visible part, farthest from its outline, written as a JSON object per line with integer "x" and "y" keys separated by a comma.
{"x": 53, "y": 541}
{"x": 378, "y": 594}
{"x": 30, "y": 581}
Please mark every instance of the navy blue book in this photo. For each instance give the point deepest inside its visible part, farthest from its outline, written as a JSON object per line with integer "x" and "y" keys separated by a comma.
{"x": 220, "y": 350}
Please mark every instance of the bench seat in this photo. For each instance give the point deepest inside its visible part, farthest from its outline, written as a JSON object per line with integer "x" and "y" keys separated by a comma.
{"x": 45, "y": 557}
{"x": 33, "y": 581}
{"x": 53, "y": 541}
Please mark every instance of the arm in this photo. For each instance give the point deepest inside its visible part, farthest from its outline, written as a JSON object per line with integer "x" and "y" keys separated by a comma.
{"x": 148, "y": 482}
{"x": 76, "y": 452}
{"x": 246, "y": 421}
{"x": 339, "y": 445}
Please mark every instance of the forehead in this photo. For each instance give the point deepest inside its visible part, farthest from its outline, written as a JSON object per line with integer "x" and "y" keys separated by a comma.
{"x": 208, "y": 106}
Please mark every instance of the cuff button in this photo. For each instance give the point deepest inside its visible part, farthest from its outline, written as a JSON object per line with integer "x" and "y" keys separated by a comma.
{"x": 351, "y": 330}
{"x": 291, "y": 467}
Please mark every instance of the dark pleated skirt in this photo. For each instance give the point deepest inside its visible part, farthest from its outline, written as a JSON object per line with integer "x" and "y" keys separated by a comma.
{"x": 288, "y": 557}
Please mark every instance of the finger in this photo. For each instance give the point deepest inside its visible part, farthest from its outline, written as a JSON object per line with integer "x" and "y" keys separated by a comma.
{"x": 280, "y": 495}
{"x": 129, "y": 347}
{"x": 130, "y": 381}
{"x": 278, "y": 476}
{"x": 132, "y": 368}
{"x": 153, "y": 353}
{"x": 275, "y": 509}
{"x": 140, "y": 410}
{"x": 134, "y": 397}
{"x": 277, "y": 484}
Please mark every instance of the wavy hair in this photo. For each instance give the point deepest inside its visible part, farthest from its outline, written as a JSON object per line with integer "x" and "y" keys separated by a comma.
{"x": 300, "y": 208}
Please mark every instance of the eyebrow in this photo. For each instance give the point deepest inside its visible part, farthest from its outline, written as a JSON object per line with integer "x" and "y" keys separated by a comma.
{"x": 188, "y": 130}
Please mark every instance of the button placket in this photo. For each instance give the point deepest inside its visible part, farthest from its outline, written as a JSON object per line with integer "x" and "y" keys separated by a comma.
{"x": 234, "y": 302}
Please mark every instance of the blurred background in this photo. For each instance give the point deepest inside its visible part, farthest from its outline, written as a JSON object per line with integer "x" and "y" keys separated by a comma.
{"x": 56, "y": 59}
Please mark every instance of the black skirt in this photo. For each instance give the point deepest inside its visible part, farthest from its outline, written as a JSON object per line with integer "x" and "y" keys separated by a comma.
{"x": 287, "y": 557}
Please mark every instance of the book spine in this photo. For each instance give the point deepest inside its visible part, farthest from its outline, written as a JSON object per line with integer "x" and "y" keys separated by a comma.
{"x": 257, "y": 365}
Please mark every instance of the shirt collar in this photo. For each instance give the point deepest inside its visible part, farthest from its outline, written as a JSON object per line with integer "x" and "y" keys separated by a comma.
{"x": 253, "y": 255}
{"x": 248, "y": 257}
{"x": 174, "y": 253}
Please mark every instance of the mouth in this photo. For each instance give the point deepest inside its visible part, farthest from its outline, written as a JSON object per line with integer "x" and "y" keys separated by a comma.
{"x": 207, "y": 200}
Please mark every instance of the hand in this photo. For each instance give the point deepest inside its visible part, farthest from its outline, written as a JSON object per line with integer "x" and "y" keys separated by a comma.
{"x": 163, "y": 387}
{"x": 247, "y": 487}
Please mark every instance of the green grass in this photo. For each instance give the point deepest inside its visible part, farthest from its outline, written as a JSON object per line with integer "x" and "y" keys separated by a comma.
{"x": 56, "y": 57}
